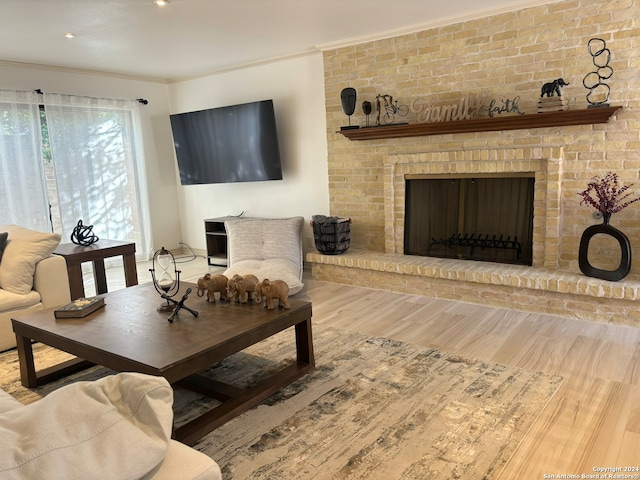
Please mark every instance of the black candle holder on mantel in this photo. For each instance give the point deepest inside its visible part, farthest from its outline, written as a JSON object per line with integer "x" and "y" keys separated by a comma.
{"x": 366, "y": 109}
{"x": 348, "y": 99}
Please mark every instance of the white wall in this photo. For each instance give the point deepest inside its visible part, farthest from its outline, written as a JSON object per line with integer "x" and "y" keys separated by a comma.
{"x": 177, "y": 212}
{"x": 297, "y": 89}
{"x": 158, "y": 147}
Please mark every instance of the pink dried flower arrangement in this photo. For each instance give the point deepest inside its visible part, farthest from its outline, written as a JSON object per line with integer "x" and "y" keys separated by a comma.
{"x": 609, "y": 196}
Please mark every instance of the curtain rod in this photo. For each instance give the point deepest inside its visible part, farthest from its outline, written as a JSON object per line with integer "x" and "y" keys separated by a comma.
{"x": 143, "y": 101}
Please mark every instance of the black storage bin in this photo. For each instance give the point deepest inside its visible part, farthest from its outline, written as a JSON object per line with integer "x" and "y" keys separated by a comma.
{"x": 331, "y": 234}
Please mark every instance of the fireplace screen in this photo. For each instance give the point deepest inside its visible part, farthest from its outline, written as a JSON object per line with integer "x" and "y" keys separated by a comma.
{"x": 486, "y": 219}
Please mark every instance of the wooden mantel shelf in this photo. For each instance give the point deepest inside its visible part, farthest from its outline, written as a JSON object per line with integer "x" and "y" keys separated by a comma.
{"x": 512, "y": 122}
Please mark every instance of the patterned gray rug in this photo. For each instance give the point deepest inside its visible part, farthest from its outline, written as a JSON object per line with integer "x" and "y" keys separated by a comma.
{"x": 374, "y": 408}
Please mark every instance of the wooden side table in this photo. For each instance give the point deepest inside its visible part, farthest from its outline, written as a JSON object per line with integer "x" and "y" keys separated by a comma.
{"x": 76, "y": 255}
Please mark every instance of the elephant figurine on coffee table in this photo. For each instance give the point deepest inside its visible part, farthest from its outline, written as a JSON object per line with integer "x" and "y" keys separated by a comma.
{"x": 272, "y": 289}
{"x": 241, "y": 288}
{"x": 210, "y": 284}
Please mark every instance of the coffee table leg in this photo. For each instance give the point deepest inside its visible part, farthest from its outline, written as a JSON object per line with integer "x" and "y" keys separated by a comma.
{"x": 28, "y": 376}
{"x": 239, "y": 401}
{"x": 304, "y": 343}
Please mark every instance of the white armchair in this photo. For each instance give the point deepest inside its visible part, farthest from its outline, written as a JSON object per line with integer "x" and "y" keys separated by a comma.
{"x": 267, "y": 248}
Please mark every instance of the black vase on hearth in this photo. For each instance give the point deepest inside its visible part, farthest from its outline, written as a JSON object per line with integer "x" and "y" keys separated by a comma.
{"x": 625, "y": 249}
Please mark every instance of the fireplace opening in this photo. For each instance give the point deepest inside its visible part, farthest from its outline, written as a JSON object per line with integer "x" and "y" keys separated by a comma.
{"x": 483, "y": 218}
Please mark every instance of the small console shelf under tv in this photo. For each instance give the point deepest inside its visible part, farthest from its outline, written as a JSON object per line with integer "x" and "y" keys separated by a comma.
{"x": 216, "y": 237}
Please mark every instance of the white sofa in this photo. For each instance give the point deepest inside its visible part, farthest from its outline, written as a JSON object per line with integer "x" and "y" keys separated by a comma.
{"x": 30, "y": 277}
{"x": 117, "y": 427}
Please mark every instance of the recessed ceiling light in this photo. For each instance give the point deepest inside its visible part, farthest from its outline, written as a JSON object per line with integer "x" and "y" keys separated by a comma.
{"x": 161, "y": 3}
{"x": 68, "y": 35}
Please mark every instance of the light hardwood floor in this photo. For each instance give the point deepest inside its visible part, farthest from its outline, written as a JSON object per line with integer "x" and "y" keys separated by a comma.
{"x": 593, "y": 421}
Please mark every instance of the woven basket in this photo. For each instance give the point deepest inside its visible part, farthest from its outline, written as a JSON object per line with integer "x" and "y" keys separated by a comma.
{"x": 332, "y": 235}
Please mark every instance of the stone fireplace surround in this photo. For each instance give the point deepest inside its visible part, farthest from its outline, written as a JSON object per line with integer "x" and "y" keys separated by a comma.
{"x": 540, "y": 287}
{"x": 543, "y": 162}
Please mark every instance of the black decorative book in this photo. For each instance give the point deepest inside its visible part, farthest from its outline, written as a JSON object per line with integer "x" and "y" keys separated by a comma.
{"x": 81, "y": 307}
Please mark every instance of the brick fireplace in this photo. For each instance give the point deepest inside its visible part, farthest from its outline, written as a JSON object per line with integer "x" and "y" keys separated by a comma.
{"x": 541, "y": 287}
{"x": 498, "y": 57}
{"x": 475, "y": 216}
{"x": 544, "y": 163}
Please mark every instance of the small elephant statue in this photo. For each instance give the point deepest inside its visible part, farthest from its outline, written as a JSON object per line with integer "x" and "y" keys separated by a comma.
{"x": 212, "y": 284}
{"x": 551, "y": 88}
{"x": 270, "y": 289}
{"x": 241, "y": 288}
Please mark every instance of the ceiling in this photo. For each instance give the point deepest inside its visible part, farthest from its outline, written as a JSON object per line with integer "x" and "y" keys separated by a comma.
{"x": 188, "y": 38}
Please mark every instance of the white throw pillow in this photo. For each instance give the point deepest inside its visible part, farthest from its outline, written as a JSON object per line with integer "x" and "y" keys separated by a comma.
{"x": 24, "y": 248}
{"x": 114, "y": 428}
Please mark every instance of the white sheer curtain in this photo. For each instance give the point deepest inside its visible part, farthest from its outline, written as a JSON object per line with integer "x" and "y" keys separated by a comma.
{"x": 23, "y": 190}
{"x": 96, "y": 147}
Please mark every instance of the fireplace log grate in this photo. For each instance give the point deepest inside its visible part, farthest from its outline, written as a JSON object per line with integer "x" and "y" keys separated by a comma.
{"x": 474, "y": 241}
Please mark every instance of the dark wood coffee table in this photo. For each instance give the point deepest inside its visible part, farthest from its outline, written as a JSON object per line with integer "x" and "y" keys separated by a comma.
{"x": 128, "y": 334}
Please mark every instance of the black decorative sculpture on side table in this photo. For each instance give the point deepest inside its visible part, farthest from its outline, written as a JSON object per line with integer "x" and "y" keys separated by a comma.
{"x": 83, "y": 235}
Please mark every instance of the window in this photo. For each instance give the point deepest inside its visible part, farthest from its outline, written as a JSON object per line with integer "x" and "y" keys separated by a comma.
{"x": 22, "y": 183}
{"x": 95, "y": 170}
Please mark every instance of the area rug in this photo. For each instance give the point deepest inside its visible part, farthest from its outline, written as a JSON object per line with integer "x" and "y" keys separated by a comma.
{"x": 374, "y": 408}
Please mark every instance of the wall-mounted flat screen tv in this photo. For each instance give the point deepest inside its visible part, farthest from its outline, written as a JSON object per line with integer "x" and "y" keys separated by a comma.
{"x": 238, "y": 143}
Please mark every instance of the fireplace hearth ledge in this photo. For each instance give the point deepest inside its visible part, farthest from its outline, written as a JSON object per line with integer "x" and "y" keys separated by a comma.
{"x": 502, "y": 285}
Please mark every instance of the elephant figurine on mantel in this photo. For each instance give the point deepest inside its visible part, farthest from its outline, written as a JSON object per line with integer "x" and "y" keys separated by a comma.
{"x": 551, "y": 88}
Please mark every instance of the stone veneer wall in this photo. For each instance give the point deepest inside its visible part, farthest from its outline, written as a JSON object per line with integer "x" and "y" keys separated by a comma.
{"x": 497, "y": 57}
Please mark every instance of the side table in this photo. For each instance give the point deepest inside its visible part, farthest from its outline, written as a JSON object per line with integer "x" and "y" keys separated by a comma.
{"x": 76, "y": 255}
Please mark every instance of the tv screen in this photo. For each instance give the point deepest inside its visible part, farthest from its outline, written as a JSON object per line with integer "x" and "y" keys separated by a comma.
{"x": 238, "y": 143}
